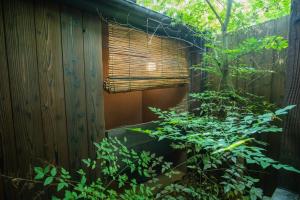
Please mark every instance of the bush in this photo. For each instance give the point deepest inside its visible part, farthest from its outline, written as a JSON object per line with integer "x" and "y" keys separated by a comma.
{"x": 221, "y": 142}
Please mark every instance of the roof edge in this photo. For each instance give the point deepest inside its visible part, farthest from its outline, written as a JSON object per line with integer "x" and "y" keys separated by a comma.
{"x": 131, "y": 14}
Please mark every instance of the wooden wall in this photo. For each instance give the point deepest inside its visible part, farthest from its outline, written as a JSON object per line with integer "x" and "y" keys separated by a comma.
{"x": 269, "y": 85}
{"x": 51, "y": 97}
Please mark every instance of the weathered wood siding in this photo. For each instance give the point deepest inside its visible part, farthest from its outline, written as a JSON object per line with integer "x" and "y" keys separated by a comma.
{"x": 51, "y": 96}
{"x": 270, "y": 85}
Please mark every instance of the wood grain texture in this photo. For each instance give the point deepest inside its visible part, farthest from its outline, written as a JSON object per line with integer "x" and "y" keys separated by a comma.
{"x": 8, "y": 156}
{"x": 280, "y": 58}
{"x": 74, "y": 74}
{"x": 51, "y": 81}
{"x": 24, "y": 83}
{"x": 195, "y": 76}
{"x": 7, "y": 134}
{"x": 290, "y": 148}
{"x": 93, "y": 79}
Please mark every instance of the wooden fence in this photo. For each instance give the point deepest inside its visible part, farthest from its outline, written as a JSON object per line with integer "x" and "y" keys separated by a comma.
{"x": 51, "y": 101}
{"x": 270, "y": 85}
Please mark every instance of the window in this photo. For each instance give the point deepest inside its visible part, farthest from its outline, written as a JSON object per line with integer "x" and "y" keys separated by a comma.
{"x": 139, "y": 61}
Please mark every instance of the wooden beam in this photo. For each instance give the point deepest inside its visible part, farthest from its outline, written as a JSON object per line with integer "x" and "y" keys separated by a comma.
{"x": 74, "y": 82}
{"x": 51, "y": 81}
{"x": 93, "y": 79}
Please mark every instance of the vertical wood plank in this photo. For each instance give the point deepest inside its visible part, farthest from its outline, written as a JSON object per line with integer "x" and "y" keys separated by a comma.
{"x": 195, "y": 77}
{"x": 9, "y": 163}
{"x": 23, "y": 73}
{"x": 49, "y": 54}
{"x": 73, "y": 64}
{"x": 6, "y": 122}
{"x": 280, "y": 62}
{"x": 93, "y": 79}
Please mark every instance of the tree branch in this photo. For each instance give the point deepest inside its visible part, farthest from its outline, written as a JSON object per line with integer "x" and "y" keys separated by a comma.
{"x": 228, "y": 14}
{"x": 215, "y": 12}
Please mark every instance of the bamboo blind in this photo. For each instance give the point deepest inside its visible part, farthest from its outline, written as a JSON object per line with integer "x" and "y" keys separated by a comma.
{"x": 139, "y": 61}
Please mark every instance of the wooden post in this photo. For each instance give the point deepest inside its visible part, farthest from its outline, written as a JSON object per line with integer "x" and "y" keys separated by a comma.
{"x": 290, "y": 147}
{"x": 197, "y": 78}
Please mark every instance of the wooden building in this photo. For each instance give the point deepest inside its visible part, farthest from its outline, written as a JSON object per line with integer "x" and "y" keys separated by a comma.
{"x": 75, "y": 71}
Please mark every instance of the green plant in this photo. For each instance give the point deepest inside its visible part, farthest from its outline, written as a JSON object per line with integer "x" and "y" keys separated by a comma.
{"x": 221, "y": 147}
{"x": 219, "y": 19}
{"x": 118, "y": 170}
{"x": 227, "y": 62}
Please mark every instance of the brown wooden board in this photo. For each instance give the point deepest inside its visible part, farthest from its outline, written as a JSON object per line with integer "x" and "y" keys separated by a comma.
{"x": 9, "y": 162}
{"x": 280, "y": 58}
{"x": 74, "y": 72}
{"x": 93, "y": 79}
{"x": 24, "y": 82}
{"x": 195, "y": 76}
{"x": 48, "y": 34}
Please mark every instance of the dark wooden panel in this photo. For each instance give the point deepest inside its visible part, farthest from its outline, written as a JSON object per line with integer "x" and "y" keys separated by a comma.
{"x": 280, "y": 58}
{"x": 8, "y": 157}
{"x": 6, "y": 122}
{"x": 196, "y": 82}
{"x": 93, "y": 79}
{"x": 1, "y": 188}
{"x": 23, "y": 73}
{"x": 47, "y": 18}
{"x": 73, "y": 64}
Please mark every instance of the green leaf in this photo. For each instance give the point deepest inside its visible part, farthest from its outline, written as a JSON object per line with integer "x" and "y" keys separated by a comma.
{"x": 264, "y": 165}
{"x": 232, "y": 146}
{"x": 48, "y": 180}
{"x": 60, "y": 186}
{"x": 63, "y": 171}
{"x": 38, "y": 170}
{"x": 54, "y": 198}
{"x": 284, "y": 110}
{"x": 39, "y": 176}
{"x": 46, "y": 169}
{"x": 83, "y": 180}
{"x": 53, "y": 171}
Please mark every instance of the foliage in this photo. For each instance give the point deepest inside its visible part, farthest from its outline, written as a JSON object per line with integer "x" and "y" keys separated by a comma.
{"x": 221, "y": 142}
{"x": 221, "y": 104}
{"x": 120, "y": 169}
{"x": 220, "y": 136}
{"x": 214, "y": 59}
{"x": 219, "y": 17}
{"x": 197, "y": 13}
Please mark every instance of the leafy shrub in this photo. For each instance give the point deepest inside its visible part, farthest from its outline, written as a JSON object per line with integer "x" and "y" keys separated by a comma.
{"x": 221, "y": 147}
{"x": 114, "y": 163}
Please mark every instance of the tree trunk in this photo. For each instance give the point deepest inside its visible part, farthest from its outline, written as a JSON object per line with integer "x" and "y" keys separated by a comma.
{"x": 224, "y": 85}
{"x": 290, "y": 145}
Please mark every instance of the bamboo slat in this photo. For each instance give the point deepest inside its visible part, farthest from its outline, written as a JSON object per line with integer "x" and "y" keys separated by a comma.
{"x": 139, "y": 61}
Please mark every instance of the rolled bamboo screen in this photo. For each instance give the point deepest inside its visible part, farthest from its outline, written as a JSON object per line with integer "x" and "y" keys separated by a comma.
{"x": 139, "y": 61}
